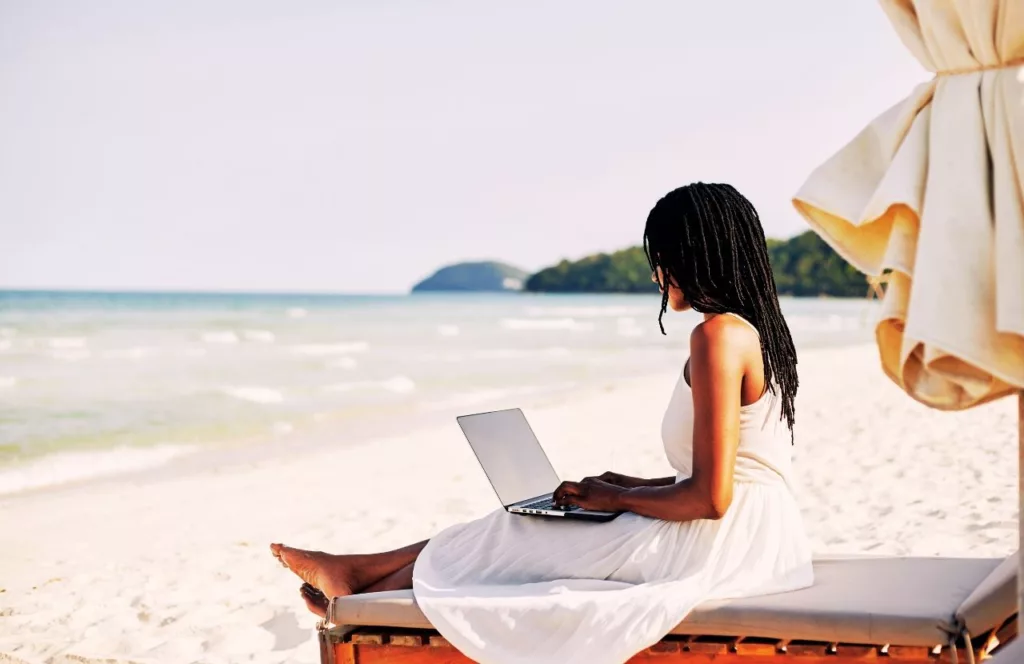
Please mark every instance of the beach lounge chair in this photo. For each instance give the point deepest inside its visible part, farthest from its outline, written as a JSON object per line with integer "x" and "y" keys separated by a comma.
{"x": 896, "y": 610}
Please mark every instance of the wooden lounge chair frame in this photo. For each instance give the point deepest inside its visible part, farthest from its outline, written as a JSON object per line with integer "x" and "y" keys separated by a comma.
{"x": 883, "y": 613}
{"x": 380, "y": 645}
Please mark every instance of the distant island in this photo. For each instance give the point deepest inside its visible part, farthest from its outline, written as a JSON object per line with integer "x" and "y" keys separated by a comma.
{"x": 481, "y": 276}
{"x": 803, "y": 266}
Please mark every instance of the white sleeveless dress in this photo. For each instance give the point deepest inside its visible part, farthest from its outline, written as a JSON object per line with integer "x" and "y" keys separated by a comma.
{"x": 509, "y": 589}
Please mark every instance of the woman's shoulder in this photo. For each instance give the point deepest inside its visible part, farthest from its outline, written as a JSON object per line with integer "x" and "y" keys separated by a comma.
{"x": 724, "y": 334}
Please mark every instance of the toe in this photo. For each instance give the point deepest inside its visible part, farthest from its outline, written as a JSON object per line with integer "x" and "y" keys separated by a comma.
{"x": 315, "y": 600}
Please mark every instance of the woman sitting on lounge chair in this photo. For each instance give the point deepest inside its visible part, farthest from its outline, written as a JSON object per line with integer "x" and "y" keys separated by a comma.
{"x": 509, "y": 588}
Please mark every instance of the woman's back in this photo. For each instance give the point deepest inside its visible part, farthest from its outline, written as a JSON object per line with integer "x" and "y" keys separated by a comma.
{"x": 764, "y": 451}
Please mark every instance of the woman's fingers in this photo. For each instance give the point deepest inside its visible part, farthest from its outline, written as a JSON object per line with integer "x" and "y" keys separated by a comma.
{"x": 567, "y": 490}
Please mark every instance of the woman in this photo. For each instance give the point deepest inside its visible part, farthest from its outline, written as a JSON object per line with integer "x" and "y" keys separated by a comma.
{"x": 509, "y": 588}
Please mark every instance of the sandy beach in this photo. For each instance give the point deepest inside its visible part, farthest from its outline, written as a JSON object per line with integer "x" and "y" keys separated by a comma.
{"x": 175, "y": 568}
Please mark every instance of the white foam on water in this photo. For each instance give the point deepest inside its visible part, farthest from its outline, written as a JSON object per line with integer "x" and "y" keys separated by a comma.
{"x": 398, "y": 385}
{"x": 448, "y": 330}
{"x": 343, "y": 363}
{"x": 68, "y": 342}
{"x": 297, "y": 312}
{"x": 7, "y": 382}
{"x": 134, "y": 353}
{"x": 226, "y": 337}
{"x": 70, "y": 354}
{"x": 65, "y": 467}
{"x": 8, "y": 332}
{"x": 331, "y": 349}
{"x": 627, "y": 327}
{"x": 583, "y": 312}
{"x": 283, "y": 428}
{"x": 526, "y": 324}
{"x": 5, "y": 344}
{"x": 254, "y": 394}
{"x": 261, "y": 336}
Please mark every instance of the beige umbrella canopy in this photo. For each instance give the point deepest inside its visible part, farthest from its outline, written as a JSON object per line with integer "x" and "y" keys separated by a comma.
{"x": 931, "y": 194}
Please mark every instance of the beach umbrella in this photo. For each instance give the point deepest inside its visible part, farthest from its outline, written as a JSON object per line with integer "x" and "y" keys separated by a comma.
{"x": 931, "y": 195}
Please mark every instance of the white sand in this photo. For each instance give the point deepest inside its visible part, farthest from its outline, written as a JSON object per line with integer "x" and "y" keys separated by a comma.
{"x": 177, "y": 570}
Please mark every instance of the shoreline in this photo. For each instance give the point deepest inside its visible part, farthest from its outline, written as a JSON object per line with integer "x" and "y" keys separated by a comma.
{"x": 310, "y": 439}
{"x": 174, "y": 458}
{"x": 173, "y": 566}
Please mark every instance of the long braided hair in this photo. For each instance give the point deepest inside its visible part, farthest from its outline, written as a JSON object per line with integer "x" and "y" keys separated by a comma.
{"x": 707, "y": 239}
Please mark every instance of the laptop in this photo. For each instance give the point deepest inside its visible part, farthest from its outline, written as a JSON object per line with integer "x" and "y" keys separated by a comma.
{"x": 517, "y": 467}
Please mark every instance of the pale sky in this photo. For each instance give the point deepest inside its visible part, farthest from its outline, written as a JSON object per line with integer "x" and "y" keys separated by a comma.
{"x": 357, "y": 146}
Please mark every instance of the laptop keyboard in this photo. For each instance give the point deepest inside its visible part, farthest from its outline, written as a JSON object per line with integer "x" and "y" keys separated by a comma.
{"x": 549, "y": 504}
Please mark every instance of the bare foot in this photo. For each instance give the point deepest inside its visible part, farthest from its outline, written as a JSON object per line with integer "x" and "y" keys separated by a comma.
{"x": 332, "y": 575}
{"x": 316, "y": 601}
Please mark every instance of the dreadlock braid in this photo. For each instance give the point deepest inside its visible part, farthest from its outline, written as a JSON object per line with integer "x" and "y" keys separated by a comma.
{"x": 707, "y": 239}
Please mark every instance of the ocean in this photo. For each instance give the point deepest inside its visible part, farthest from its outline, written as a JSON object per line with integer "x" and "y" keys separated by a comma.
{"x": 95, "y": 384}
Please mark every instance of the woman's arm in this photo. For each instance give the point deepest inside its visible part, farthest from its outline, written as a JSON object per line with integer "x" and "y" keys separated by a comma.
{"x": 629, "y": 482}
{"x": 717, "y": 351}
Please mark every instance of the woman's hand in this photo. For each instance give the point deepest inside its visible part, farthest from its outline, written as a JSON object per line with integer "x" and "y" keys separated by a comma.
{"x": 617, "y": 479}
{"x": 590, "y": 494}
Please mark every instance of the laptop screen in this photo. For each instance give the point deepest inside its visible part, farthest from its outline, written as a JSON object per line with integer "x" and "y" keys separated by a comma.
{"x": 510, "y": 455}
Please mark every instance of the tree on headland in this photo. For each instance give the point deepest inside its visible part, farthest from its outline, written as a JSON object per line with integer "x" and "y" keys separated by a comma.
{"x": 803, "y": 266}
{"x": 624, "y": 271}
{"x": 806, "y": 266}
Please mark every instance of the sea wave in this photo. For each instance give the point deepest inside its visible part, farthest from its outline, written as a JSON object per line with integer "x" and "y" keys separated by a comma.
{"x": 297, "y": 312}
{"x": 5, "y": 344}
{"x": 220, "y": 337}
{"x": 134, "y": 353}
{"x": 70, "y": 354}
{"x": 8, "y": 332}
{"x": 448, "y": 330}
{"x": 261, "y": 336}
{"x": 627, "y": 327}
{"x": 584, "y": 312}
{"x": 253, "y": 393}
{"x": 63, "y": 343}
{"x": 343, "y": 363}
{"x": 65, "y": 467}
{"x": 534, "y": 324}
{"x": 331, "y": 349}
